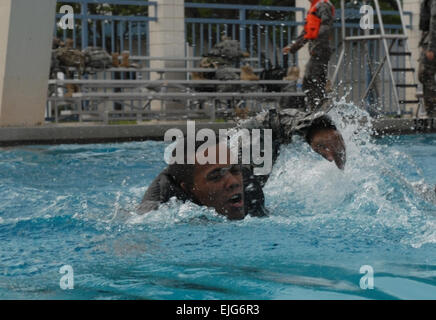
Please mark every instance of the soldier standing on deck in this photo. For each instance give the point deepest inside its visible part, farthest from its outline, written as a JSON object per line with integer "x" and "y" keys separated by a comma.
{"x": 427, "y": 61}
{"x": 317, "y": 31}
{"x": 224, "y": 56}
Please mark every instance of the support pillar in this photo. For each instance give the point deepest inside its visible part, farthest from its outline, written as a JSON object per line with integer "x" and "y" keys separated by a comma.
{"x": 26, "y": 32}
{"x": 167, "y": 39}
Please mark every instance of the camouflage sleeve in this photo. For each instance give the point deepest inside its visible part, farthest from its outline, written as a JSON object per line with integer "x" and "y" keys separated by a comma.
{"x": 432, "y": 38}
{"x": 283, "y": 125}
{"x": 286, "y": 123}
{"x": 325, "y": 13}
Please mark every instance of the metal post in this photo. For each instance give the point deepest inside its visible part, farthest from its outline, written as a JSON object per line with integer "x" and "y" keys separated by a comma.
{"x": 377, "y": 71}
{"x": 343, "y": 19}
{"x": 403, "y": 24}
{"x": 341, "y": 56}
{"x": 84, "y": 12}
{"x": 79, "y": 109}
{"x": 56, "y": 111}
{"x": 212, "y": 110}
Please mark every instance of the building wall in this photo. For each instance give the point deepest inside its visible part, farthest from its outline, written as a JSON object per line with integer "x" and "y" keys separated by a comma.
{"x": 26, "y": 29}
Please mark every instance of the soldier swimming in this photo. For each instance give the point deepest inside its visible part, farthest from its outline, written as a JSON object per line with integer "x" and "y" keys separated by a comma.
{"x": 232, "y": 189}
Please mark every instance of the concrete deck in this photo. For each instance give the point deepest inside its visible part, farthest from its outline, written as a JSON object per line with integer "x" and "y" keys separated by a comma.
{"x": 155, "y": 130}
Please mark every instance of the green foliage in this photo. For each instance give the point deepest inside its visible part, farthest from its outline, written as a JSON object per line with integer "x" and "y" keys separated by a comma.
{"x": 122, "y": 122}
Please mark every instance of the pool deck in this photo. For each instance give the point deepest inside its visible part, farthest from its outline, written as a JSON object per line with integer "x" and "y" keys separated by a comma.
{"x": 155, "y": 130}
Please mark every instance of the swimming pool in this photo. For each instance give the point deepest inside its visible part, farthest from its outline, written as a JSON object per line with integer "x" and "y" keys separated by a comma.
{"x": 74, "y": 205}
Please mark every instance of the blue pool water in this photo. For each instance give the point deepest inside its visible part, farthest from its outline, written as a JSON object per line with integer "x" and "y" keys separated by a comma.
{"x": 75, "y": 205}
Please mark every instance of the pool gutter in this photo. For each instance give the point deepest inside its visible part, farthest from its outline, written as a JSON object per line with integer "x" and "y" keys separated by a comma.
{"x": 101, "y": 133}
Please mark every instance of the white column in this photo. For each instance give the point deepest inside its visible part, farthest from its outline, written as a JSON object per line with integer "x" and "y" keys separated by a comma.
{"x": 167, "y": 38}
{"x": 303, "y": 54}
{"x": 167, "y": 34}
{"x": 26, "y": 32}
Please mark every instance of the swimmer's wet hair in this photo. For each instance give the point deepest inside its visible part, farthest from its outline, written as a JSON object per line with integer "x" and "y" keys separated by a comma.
{"x": 184, "y": 173}
{"x": 317, "y": 124}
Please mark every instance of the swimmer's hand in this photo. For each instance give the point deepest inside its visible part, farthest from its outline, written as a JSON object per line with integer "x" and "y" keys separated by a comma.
{"x": 329, "y": 144}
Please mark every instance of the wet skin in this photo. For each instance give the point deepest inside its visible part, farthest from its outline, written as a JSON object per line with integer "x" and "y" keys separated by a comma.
{"x": 220, "y": 186}
{"x": 329, "y": 144}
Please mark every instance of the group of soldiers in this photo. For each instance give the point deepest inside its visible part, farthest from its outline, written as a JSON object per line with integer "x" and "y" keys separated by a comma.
{"x": 224, "y": 57}
{"x": 66, "y": 58}
{"x": 71, "y": 61}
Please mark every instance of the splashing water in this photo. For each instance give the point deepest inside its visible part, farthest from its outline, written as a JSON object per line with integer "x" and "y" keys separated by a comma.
{"x": 380, "y": 187}
{"x": 75, "y": 205}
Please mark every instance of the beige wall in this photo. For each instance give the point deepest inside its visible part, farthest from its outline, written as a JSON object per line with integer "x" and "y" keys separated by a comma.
{"x": 26, "y": 30}
{"x": 5, "y": 11}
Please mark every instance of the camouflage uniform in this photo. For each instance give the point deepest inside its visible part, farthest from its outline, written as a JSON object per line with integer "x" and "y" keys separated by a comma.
{"x": 90, "y": 59}
{"x": 315, "y": 77}
{"x": 97, "y": 59}
{"x": 64, "y": 57}
{"x": 226, "y": 55}
{"x": 427, "y": 68}
{"x": 283, "y": 125}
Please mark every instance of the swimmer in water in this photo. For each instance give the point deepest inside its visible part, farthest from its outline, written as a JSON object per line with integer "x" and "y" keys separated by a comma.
{"x": 232, "y": 189}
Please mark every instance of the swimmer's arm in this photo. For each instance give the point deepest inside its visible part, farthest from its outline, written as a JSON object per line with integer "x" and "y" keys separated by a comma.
{"x": 316, "y": 127}
{"x": 318, "y": 130}
{"x": 151, "y": 199}
{"x": 160, "y": 191}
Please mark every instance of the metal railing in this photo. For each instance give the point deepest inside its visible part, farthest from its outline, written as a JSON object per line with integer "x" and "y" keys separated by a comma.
{"x": 114, "y": 33}
{"x": 361, "y": 59}
{"x": 257, "y": 35}
{"x": 261, "y": 37}
{"x": 137, "y": 97}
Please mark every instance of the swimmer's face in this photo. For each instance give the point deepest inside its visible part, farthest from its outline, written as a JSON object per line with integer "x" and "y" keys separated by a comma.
{"x": 220, "y": 186}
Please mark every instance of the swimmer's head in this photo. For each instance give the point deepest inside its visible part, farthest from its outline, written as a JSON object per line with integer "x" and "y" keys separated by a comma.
{"x": 217, "y": 185}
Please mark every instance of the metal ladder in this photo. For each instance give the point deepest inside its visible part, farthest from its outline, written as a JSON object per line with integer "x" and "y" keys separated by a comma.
{"x": 388, "y": 58}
